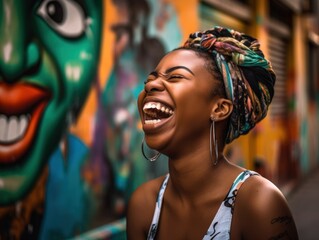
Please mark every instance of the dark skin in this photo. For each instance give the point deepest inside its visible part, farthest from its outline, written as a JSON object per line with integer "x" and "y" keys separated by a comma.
{"x": 196, "y": 187}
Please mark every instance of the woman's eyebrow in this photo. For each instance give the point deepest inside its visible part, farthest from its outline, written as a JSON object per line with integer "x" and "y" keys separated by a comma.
{"x": 177, "y": 67}
{"x": 155, "y": 73}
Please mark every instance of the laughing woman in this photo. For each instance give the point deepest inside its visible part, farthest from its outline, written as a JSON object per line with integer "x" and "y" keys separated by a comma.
{"x": 199, "y": 98}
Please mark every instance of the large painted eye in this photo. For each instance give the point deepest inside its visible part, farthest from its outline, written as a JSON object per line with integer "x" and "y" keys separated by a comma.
{"x": 65, "y": 16}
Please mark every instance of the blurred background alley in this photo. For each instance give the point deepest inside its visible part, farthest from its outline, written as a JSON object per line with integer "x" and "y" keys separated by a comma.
{"x": 303, "y": 201}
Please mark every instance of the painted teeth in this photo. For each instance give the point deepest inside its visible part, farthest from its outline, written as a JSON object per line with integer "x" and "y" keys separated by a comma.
{"x": 158, "y": 106}
{"x": 13, "y": 128}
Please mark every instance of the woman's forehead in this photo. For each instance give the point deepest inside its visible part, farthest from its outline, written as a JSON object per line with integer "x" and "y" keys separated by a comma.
{"x": 181, "y": 57}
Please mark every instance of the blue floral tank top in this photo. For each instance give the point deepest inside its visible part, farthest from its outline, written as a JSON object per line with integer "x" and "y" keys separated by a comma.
{"x": 220, "y": 226}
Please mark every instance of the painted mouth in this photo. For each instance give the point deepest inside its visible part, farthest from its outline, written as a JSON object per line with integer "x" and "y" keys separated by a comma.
{"x": 21, "y": 108}
{"x": 155, "y": 112}
{"x": 13, "y": 128}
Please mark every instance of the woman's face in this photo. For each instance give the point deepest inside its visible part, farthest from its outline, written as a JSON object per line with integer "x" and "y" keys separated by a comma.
{"x": 50, "y": 53}
{"x": 176, "y": 104}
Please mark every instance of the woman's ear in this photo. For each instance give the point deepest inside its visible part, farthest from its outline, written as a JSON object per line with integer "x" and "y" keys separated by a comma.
{"x": 221, "y": 109}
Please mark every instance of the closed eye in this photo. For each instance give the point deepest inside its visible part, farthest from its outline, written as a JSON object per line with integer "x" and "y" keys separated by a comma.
{"x": 175, "y": 76}
{"x": 167, "y": 77}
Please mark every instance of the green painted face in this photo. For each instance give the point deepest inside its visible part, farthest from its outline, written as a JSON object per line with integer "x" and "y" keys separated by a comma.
{"x": 49, "y": 53}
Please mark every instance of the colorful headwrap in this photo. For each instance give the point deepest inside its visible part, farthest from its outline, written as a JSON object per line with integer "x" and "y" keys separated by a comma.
{"x": 248, "y": 77}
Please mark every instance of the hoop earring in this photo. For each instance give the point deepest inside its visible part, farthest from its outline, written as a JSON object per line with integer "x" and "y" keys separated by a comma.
{"x": 212, "y": 135}
{"x": 151, "y": 159}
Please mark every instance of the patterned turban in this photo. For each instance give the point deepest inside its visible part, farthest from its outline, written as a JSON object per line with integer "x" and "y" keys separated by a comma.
{"x": 248, "y": 76}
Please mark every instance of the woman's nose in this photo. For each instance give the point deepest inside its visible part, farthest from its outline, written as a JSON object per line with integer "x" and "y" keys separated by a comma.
{"x": 154, "y": 86}
{"x": 17, "y": 53}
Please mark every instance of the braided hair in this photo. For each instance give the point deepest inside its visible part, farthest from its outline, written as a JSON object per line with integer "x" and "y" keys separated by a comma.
{"x": 247, "y": 76}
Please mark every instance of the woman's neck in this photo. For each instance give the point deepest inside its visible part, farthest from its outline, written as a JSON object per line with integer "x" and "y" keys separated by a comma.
{"x": 196, "y": 174}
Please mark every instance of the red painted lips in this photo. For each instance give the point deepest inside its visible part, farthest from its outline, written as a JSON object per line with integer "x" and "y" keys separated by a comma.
{"x": 21, "y": 107}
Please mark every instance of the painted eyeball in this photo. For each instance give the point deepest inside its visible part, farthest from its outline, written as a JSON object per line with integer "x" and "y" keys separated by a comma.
{"x": 67, "y": 17}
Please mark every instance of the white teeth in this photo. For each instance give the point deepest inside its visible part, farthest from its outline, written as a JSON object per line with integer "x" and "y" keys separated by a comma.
{"x": 3, "y": 126}
{"x": 153, "y": 121}
{"x": 158, "y": 106}
{"x": 23, "y": 124}
{"x": 12, "y": 128}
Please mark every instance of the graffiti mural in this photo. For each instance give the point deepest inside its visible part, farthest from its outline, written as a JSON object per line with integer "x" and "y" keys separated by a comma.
{"x": 49, "y": 54}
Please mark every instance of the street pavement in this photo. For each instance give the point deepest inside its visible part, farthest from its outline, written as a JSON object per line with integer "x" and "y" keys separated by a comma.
{"x": 304, "y": 204}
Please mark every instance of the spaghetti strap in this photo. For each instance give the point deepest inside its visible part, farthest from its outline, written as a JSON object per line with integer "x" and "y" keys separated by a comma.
{"x": 220, "y": 226}
{"x": 158, "y": 208}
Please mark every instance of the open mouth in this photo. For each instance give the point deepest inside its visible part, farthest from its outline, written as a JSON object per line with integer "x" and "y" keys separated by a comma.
{"x": 13, "y": 128}
{"x": 155, "y": 112}
{"x": 21, "y": 108}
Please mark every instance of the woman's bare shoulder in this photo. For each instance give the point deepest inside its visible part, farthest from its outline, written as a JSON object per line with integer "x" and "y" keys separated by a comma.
{"x": 146, "y": 193}
{"x": 141, "y": 208}
{"x": 264, "y": 211}
{"x": 257, "y": 191}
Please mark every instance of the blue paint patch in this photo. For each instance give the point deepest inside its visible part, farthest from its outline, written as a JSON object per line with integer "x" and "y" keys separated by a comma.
{"x": 67, "y": 195}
